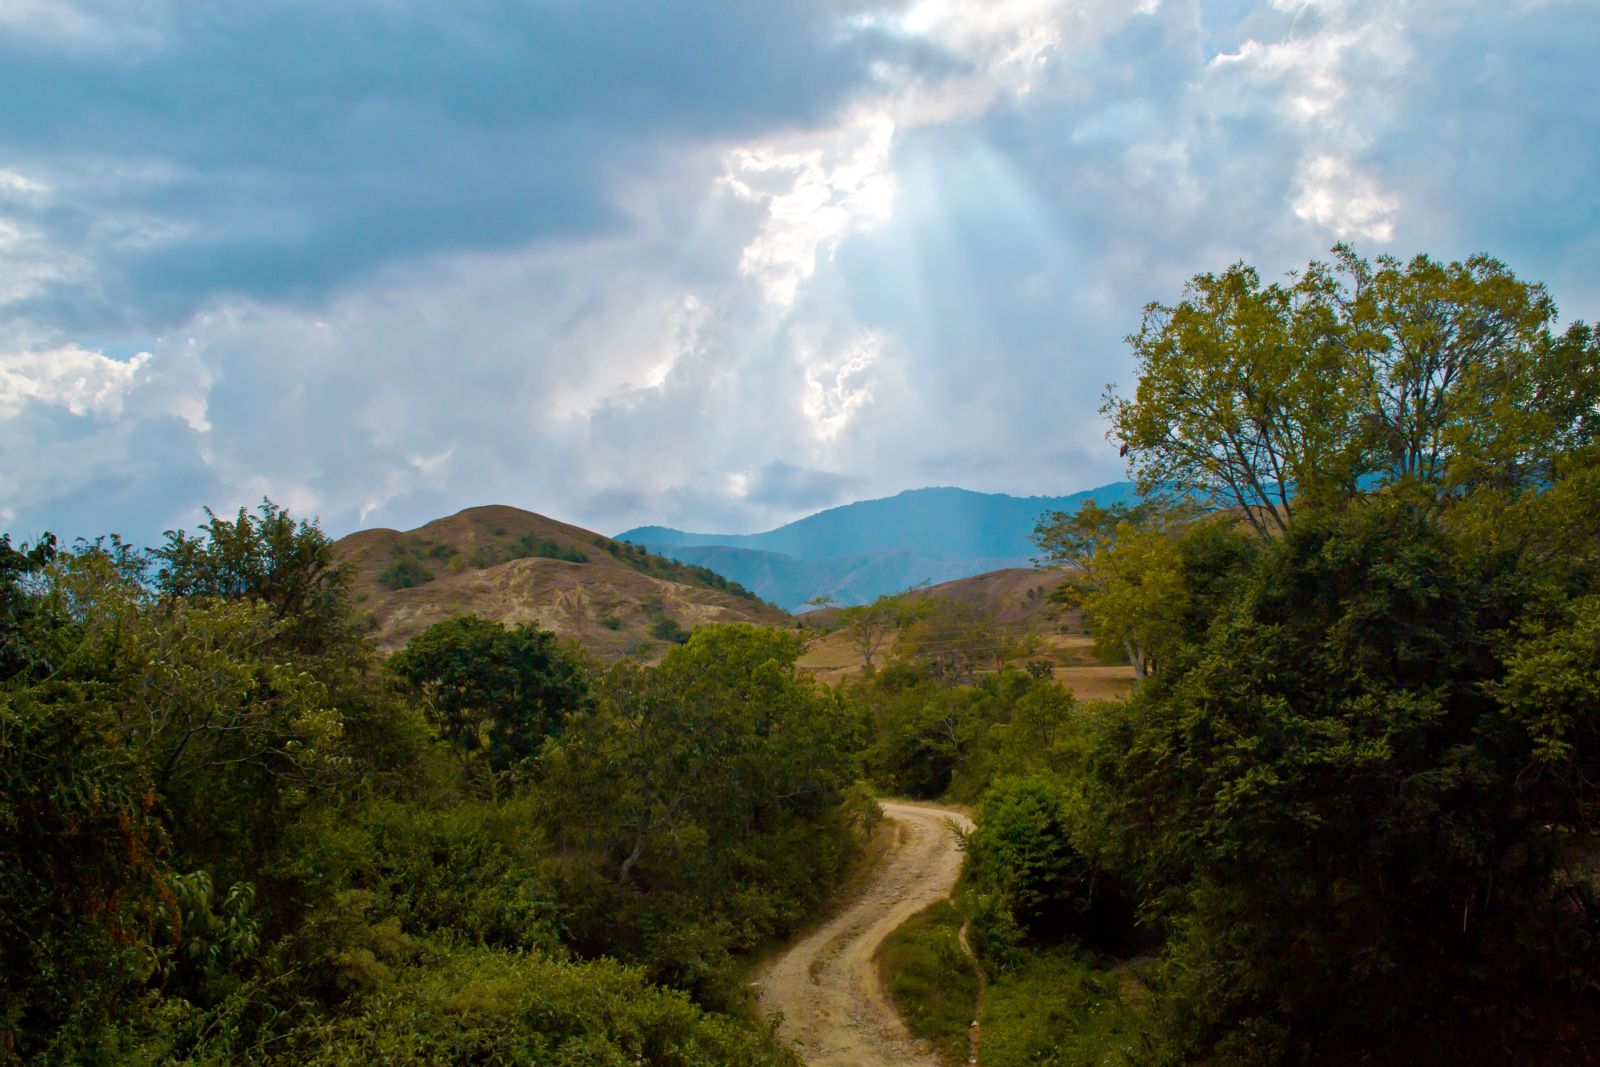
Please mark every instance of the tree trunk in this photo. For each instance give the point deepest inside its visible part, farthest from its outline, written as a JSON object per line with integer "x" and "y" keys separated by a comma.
{"x": 633, "y": 857}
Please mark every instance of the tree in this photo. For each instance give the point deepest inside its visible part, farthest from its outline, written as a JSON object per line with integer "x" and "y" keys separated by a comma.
{"x": 1353, "y": 804}
{"x": 18, "y": 605}
{"x": 1133, "y": 596}
{"x": 723, "y": 739}
{"x": 288, "y": 565}
{"x": 871, "y": 626}
{"x": 490, "y": 688}
{"x": 1130, "y": 578}
{"x": 1021, "y": 852}
{"x": 82, "y": 859}
{"x": 1448, "y": 377}
{"x": 230, "y": 732}
{"x": 1072, "y": 538}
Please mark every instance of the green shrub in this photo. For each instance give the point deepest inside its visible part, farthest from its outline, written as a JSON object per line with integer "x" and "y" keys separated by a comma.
{"x": 666, "y": 629}
{"x": 405, "y": 574}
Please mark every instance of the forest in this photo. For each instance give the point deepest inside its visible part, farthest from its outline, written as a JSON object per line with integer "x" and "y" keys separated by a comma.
{"x": 1348, "y": 815}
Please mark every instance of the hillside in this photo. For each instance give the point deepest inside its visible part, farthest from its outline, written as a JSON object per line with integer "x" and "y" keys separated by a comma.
{"x": 790, "y": 582}
{"x": 516, "y": 566}
{"x": 859, "y": 551}
{"x": 1019, "y": 600}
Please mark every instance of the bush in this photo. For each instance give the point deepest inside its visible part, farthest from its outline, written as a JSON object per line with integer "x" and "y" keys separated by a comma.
{"x": 1021, "y": 854}
{"x": 405, "y": 574}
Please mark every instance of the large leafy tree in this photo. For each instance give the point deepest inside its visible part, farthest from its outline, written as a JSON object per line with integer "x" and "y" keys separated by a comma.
{"x": 870, "y": 628}
{"x": 494, "y": 689}
{"x": 1146, "y": 576}
{"x": 1262, "y": 397}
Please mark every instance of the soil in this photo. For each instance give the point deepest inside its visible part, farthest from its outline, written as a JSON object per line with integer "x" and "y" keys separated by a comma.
{"x": 834, "y": 1009}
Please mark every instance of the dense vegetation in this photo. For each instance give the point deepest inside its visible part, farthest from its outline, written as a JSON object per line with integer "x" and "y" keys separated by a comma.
{"x": 1349, "y": 817}
{"x": 231, "y": 834}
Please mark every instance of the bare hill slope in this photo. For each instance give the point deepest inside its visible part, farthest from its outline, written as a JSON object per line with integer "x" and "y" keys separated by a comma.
{"x": 516, "y": 566}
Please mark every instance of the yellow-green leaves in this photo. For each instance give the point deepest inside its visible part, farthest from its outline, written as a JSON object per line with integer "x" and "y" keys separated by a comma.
{"x": 1444, "y": 375}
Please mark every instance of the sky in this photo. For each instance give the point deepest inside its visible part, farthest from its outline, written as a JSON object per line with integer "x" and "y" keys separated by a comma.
{"x": 714, "y": 265}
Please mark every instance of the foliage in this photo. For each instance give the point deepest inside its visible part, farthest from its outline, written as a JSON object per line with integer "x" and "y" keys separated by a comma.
{"x": 1147, "y": 577}
{"x": 667, "y": 629}
{"x": 1338, "y": 815}
{"x": 932, "y": 739}
{"x": 492, "y": 689}
{"x": 228, "y": 837}
{"x": 475, "y": 1006}
{"x": 1074, "y": 538}
{"x": 870, "y": 627}
{"x": 953, "y": 640}
{"x": 18, "y": 608}
{"x": 1061, "y": 1007}
{"x": 1354, "y": 375}
{"x": 231, "y": 734}
{"x": 405, "y": 574}
{"x": 268, "y": 557}
{"x": 644, "y": 561}
{"x": 1021, "y": 853}
{"x": 82, "y": 858}
{"x": 712, "y": 786}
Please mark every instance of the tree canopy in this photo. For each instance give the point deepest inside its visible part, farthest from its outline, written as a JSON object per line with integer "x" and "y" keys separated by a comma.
{"x": 1352, "y": 375}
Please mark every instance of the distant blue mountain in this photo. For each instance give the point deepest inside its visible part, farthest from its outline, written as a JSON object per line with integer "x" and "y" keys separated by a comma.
{"x": 858, "y": 551}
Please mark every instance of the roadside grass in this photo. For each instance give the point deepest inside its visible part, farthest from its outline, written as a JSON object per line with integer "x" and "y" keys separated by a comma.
{"x": 931, "y": 979}
{"x": 1062, "y": 1008}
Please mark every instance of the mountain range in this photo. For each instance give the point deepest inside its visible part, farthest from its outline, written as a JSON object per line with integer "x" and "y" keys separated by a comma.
{"x": 856, "y": 552}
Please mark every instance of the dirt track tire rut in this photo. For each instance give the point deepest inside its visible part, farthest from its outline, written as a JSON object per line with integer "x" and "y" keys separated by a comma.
{"x": 835, "y": 1011}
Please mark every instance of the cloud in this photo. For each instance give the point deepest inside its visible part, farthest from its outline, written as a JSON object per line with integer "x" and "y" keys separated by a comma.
{"x": 796, "y": 488}
{"x": 711, "y": 265}
{"x": 276, "y": 151}
{"x": 69, "y": 377}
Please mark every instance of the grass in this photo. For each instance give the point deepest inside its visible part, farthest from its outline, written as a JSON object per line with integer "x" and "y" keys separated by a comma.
{"x": 1062, "y": 1008}
{"x": 931, "y": 980}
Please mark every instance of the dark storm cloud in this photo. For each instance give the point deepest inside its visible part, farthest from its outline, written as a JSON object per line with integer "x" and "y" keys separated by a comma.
{"x": 276, "y": 150}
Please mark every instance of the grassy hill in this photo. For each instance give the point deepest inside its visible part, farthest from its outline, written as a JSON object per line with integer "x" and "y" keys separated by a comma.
{"x": 516, "y": 566}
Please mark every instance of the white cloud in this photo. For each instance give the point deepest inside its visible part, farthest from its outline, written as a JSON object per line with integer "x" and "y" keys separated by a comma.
{"x": 15, "y": 185}
{"x": 1334, "y": 195}
{"x": 816, "y": 189}
{"x": 83, "y": 382}
{"x": 838, "y": 384}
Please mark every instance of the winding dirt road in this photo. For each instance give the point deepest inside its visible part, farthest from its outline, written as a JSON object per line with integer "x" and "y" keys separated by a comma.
{"x": 834, "y": 1010}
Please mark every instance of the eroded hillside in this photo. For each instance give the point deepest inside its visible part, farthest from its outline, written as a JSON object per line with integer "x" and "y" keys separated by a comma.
{"x": 516, "y": 566}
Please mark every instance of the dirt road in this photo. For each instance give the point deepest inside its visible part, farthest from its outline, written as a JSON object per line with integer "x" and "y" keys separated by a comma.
{"x": 834, "y": 1010}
